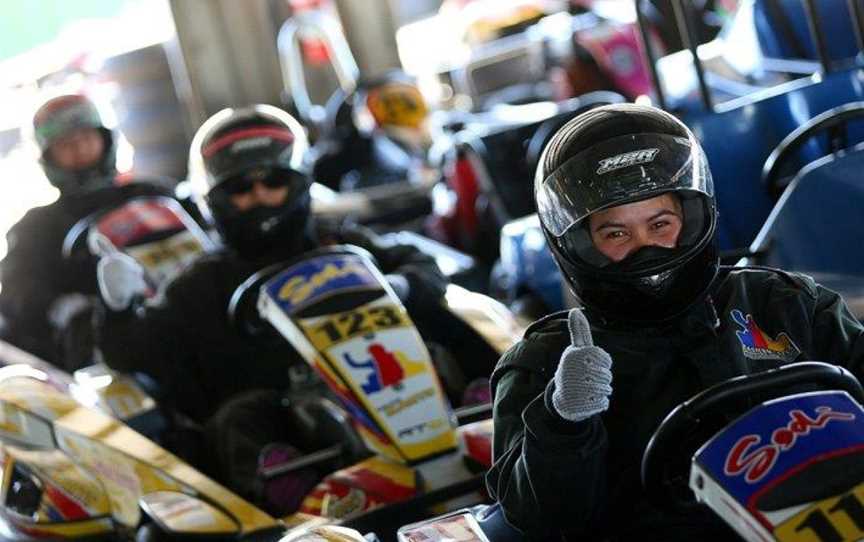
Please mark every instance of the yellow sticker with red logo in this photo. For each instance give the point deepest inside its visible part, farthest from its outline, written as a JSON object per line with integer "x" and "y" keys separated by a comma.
{"x": 835, "y": 519}
{"x": 397, "y": 104}
{"x": 385, "y": 371}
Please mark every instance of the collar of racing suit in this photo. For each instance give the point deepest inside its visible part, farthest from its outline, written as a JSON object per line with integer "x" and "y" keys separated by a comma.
{"x": 700, "y": 319}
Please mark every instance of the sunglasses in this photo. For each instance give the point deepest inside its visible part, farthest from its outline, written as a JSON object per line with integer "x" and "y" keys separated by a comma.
{"x": 243, "y": 185}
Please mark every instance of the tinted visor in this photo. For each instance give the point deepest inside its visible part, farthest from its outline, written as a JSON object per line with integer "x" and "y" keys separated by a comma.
{"x": 247, "y": 148}
{"x": 271, "y": 178}
{"x": 618, "y": 171}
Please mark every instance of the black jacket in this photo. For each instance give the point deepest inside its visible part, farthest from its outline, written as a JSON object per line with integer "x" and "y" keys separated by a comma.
{"x": 34, "y": 273}
{"x": 187, "y": 344}
{"x": 583, "y": 478}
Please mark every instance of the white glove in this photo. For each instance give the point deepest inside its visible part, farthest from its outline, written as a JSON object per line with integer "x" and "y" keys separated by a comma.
{"x": 121, "y": 279}
{"x": 583, "y": 380}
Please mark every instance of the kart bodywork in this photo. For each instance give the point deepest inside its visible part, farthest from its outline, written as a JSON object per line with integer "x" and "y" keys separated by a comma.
{"x": 70, "y": 471}
{"x": 787, "y": 469}
{"x": 339, "y": 312}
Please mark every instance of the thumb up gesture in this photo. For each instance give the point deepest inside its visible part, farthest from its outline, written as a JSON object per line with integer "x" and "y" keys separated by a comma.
{"x": 583, "y": 379}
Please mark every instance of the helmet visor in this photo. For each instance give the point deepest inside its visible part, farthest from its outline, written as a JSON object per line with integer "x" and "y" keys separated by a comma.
{"x": 618, "y": 171}
{"x": 245, "y": 149}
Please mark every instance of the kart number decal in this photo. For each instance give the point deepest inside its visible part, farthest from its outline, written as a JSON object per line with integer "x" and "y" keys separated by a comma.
{"x": 348, "y": 325}
{"x": 831, "y": 520}
{"x": 163, "y": 259}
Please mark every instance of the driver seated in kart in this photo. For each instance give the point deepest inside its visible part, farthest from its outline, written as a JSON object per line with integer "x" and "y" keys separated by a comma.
{"x": 46, "y": 301}
{"x": 248, "y": 172}
{"x": 626, "y": 202}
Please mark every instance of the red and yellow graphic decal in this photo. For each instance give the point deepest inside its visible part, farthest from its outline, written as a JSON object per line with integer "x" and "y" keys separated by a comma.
{"x": 361, "y": 487}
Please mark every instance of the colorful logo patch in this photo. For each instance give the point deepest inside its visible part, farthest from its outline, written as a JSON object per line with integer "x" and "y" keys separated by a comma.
{"x": 385, "y": 368}
{"x": 756, "y": 344}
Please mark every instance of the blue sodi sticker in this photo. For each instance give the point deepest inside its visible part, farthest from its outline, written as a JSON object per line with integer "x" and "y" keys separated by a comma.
{"x": 763, "y": 447}
{"x": 312, "y": 280}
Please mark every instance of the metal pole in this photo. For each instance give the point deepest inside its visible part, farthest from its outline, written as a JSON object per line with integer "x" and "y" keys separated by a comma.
{"x": 684, "y": 20}
{"x": 645, "y": 33}
{"x": 856, "y": 11}
{"x": 815, "y": 25}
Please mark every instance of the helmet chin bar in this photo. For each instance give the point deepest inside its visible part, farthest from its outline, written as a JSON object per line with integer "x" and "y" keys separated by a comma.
{"x": 648, "y": 299}
{"x": 265, "y": 231}
{"x": 657, "y": 285}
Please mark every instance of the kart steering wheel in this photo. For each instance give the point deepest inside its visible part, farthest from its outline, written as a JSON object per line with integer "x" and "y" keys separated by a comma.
{"x": 75, "y": 243}
{"x": 832, "y": 121}
{"x": 666, "y": 462}
{"x": 243, "y": 306}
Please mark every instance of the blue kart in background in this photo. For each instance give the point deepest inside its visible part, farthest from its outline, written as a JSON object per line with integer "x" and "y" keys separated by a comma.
{"x": 781, "y": 133}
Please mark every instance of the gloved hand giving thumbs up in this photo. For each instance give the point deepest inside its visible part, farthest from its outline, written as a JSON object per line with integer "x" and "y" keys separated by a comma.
{"x": 583, "y": 380}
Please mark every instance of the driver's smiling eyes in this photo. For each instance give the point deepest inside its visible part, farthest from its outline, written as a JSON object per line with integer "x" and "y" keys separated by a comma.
{"x": 659, "y": 226}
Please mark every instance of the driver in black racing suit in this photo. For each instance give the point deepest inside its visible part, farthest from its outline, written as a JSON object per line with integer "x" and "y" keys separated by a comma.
{"x": 46, "y": 301}
{"x": 626, "y": 202}
{"x": 248, "y": 174}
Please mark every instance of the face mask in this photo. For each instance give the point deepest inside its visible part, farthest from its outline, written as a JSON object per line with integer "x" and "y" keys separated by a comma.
{"x": 263, "y": 231}
{"x": 644, "y": 258}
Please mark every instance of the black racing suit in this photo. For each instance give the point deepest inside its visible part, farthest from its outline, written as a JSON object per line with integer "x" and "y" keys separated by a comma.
{"x": 35, "y": 275}
{"x": 200, "y": 361}
{"x": 583, "y": 478}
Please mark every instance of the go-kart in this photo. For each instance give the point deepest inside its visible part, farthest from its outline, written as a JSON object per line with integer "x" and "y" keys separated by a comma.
{"x": 74, "y": 472}
{"x": 494, "y": 53}
{"x": 372, "y": 150}
{"x": 488, "y": 171}
{"x": 155, "y": 231}
{"x": 526, "y": 277}
{"x": 163, "y": 238}
{"x": 392, "y": 387}
{"x": 828, "y": 192}
{"x": 746, "y": 91}
{"x": 777, "y": 455}
{"x": 369, "y": 134}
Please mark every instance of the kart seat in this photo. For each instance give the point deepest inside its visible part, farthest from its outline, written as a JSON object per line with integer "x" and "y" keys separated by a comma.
{"x": 782, "y": 30}
{"x": 815, "y": 226}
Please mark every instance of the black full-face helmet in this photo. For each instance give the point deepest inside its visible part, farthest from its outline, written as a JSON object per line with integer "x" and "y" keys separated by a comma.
{"x": 619, "y": 154}
{"x": 60, "y": 116}
{"x": 237, "y": 147}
